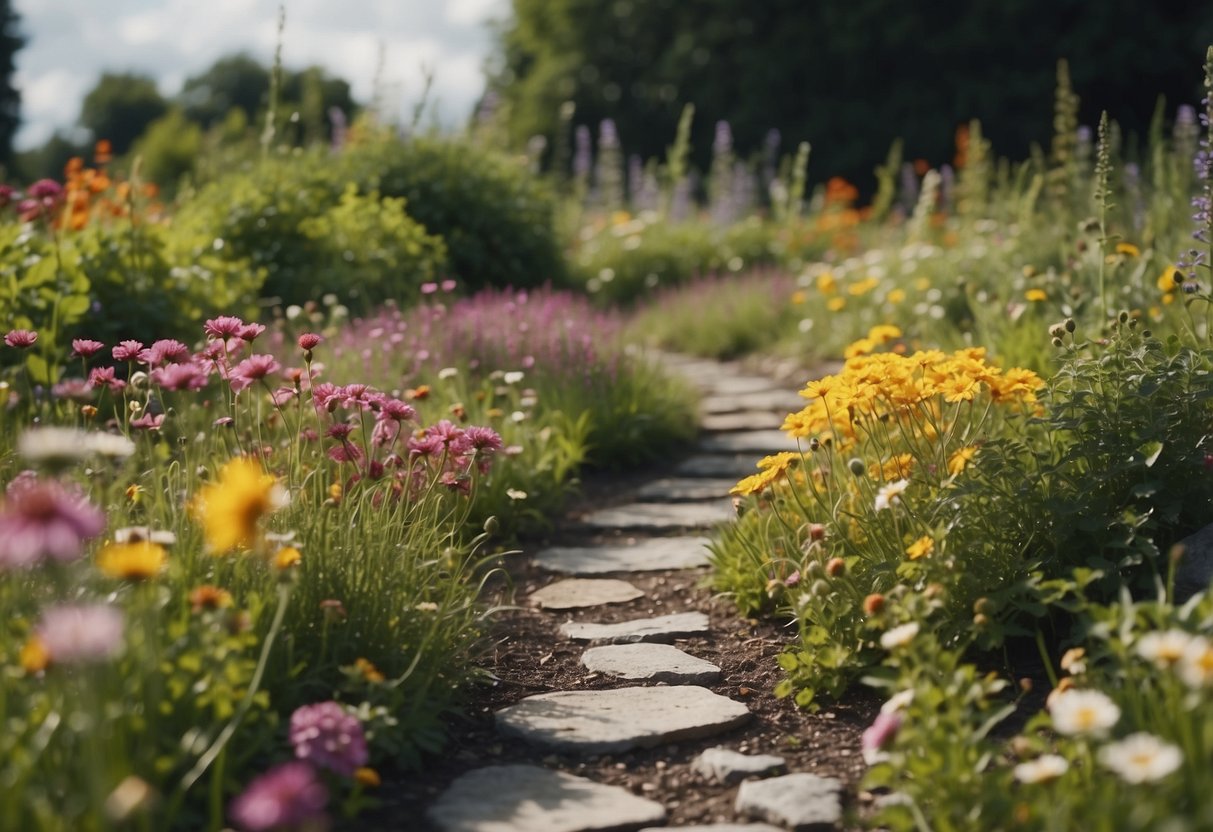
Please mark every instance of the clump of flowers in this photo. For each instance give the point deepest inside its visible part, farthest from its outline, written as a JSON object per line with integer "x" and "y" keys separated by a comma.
{"x": 328, "y": 736}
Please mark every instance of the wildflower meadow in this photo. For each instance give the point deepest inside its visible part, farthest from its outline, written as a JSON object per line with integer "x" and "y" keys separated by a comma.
{"x": 274, "y": 435}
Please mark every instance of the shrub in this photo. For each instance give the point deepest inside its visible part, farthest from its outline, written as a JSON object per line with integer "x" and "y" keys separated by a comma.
{"x": 496, "y": 218}
{"x": 313, "y": 234}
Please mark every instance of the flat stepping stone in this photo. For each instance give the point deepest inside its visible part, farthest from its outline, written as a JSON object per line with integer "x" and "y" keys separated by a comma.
{"x": 719, "y": 827}
{"x": 684, "y": 489}
{"x": 609, "y": 721}
{"x": 723, "y": 765}
{"x": 733, "y": 466}
{"x": 800, "y": 802}
{"x": 649, "y": 555}
{"x": 661, "y": 516}
{"x": 576, "y": 593}
{"x": 521, "y": 798}
{"x": 660, "y": 630}
{"x": 744, "y": 385}
{"x": 780, "y": 401}
{"x": 754, "y": 441}
{"x": 741, "y": 420}
{"x": 650, "y": 663}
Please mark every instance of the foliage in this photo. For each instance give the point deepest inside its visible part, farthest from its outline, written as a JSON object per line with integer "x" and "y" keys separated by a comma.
{"x": 638, "y": 63}
{"x": 11, "y": 43}
{"x": 119, "y": 108}
{"x": 297, "y": 218}
{"x": 168, "y": 150}
{"x": 496, "y": 219}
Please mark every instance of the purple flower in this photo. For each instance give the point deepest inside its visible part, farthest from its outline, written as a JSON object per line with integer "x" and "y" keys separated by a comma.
{"x": 287, "y": 795}
{"x": 44, "y": 520}
{"x": 326, "y": 735}
{"x": 81, "y": 633}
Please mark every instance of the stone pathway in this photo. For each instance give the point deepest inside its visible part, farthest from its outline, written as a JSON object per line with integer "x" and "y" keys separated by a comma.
{"x": 659, "y": 699}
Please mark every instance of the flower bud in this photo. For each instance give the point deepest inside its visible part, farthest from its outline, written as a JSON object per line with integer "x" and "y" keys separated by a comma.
{"x": 820, "y": 588}
{"x": 492, "y": 525}
{"x": 857, "y": 466}
{"x": 981, "y": 621}
{"x": 815, "y": 569}
{"x": 873, "y": 604}
{"x": 836, "y": 567}
{"x": 1057, "y": 342}
{"x": 983, "y": 606}
{"x": 1070, "y": 325}
{"x": 817, "y": 531}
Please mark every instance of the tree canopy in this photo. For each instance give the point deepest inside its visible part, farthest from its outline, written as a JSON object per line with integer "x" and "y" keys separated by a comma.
{"x": 120, "y": 107}
{"x": 849, "y": 76}
{"x": 11, "y": 42}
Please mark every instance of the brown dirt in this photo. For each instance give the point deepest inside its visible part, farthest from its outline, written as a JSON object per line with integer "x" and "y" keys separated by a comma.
{"x": 527, "y": 656}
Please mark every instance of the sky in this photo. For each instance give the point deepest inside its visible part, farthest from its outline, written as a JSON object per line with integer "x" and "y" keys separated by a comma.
{"x": 71, "y": 42}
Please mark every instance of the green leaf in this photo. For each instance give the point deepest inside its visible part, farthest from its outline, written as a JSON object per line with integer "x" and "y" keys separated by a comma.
{"x": 1150, "y": 452}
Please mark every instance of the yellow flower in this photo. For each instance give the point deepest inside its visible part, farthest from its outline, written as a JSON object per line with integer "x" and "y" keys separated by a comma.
{"x": 34, "y": 656}
{"x": 1167, "y": 281}
{"x": 884, "y": 333}
{"x": 1128, "y": 249}
{"x": 836, "y": 304}
{"x": 772, "y": 468}
{"x": 1036, "y": 295}
{"x": 826, "y": 283}
{"x": 959, "y": 460}
{"x": 367, "y": 777}
{"x": 920, "y": 548}
{"x": 862, "y": 287}
{"x": 861, "y": 347}
{"x": 896, "y": 467}
{"x": 897, "y": 296}
{"x": 1168, "y": 299}
{"x": 132, "y": 561}
{"x": 287, "y": 557}
{"x": 799, "y": 297}
{"x": 958, "y": 389}
{"x": 368, "y": 670}
{"x": 230, "y": 508}
{"x": 134, "y": 493}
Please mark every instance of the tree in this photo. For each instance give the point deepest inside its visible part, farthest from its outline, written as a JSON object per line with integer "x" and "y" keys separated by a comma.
{"x": 232, "y": 82}
{"x": 850, "y": 76}
{"x": 11, "y": 42}
{"x": 169, "y": 149}
{"x": 120, "y": 107}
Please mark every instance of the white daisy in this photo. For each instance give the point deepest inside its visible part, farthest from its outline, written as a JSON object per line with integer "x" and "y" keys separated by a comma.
{"x": 1196, "y": 663}
{"x": 890, "y": 494}
{"x": 1141, "y": 758}
{"x": 1082, "y": 712}
{"x": 1041, "y": 770}
{"x": 1163, "y": 648}
{"x": 899, "y": 636}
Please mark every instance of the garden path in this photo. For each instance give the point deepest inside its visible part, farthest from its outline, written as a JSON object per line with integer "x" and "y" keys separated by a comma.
{"x": 636, "y": 690}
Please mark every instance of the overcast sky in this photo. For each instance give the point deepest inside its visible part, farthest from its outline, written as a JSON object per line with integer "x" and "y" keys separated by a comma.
{"x": 70, "y": 42}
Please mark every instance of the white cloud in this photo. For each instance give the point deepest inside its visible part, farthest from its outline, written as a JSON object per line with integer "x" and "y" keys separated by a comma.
{"x": 71, "y": 42}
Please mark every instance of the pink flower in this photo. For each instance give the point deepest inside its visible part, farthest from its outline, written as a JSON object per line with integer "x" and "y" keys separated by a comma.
{"x": 21, "y": 339}
{"x": 287, "y": 795}
{"x": 189, "y": 376}
{"x": 397, "y": 411}
{"x": 104, "y": 377}
{"x": 81, "y": 633}
{"x": 308, "y": 341}
{"x": 148, "y": 421}
{"x": 249, "y": 332}
{"x": 75, "y": 389}
{"x": 45, "y": 189}
{"x": 43, "y": 520}
{"x": 282, "y": 395}
{"x": 878, "y": 735}
{"x": 166, "y": 350}
{"x": 127, "y": 350}
{"x": 253, "y": 368}
{"x": 225, "y": 326}
{"x": 448, "y": 285}
{"x": 326, "y": 735}
{"x": 429, "y": 288}
{"x": 86, "y": 348}
{"x": 326, "y": 396}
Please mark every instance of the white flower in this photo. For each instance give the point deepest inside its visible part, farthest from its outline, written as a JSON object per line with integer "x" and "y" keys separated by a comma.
{"x": 1141, "y": 758}
{"x": 447, "y": 372}
{"x": 1041, "y": 770}
{"x": 898, "y": 701}
{"x": 1196, "y": 663}
{"x": 1164, "y": 648}
{"x": 513, "y": 377}
{"x": 890, "y": 494}
{"x": 135, "y": 534}
{"x": 61, "y": 446}
{"x": 1082, "y": 712}
{"x": 899, "y": 636}
{"x": 515, "y": 494}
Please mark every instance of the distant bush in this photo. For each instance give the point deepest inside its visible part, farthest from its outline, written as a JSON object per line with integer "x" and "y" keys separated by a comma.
{"x": 314, "y": 233}
{"x": 497, "y": 220}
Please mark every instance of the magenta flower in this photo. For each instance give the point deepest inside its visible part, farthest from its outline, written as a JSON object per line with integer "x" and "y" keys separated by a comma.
{"x": 127, "y": 350}
{"x": 45, "y": 189}
{"x": 86, "y": 347}
{"x": 326, "y": 735}
{"x": 287, "y": 795}
{"x": 251, "y": 369}
{"x": 308, "y": 341}
{"x": 225, "y": 326}
{"x": 81, "y": 633}
{"x": 21, "y": 339}
{"x": 397, "y": 410}
{"x": 44, "y": 520}
{"x": 178, "y": 377}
